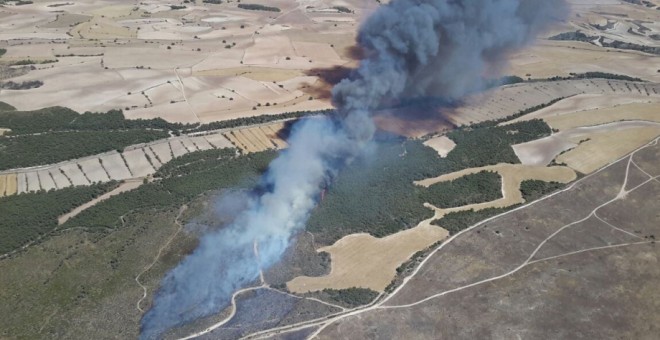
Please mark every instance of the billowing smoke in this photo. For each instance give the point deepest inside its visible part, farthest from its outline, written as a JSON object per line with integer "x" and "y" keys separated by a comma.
{"x": 445, "y": 48}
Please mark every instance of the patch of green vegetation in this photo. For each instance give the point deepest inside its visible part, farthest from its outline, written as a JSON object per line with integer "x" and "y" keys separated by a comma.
{"x": 509, "y": 80}
{"x": 31, "y": 62}
{"x": 484, "y": 186}
{"x": 407, "y": 267}
{"x": 535, "y": 189}
{"x": 30, "y": 150}
{"x": 342, "y": 9}
{"x": 376, "y": 194}
{"x": 215, "y": 2}
{"x": 244, "y": 121}
{"x": 5, "y": 107}
{"x": 88, "y": 277}
{"x": 180, "y": 181}
{"x": 579, "y": 36}
{"x": 349, "y": 298}
{"x": 257, "y": 7}
{"x": 478, "y": 145}
{"x": 596, "y": 75}
{"x": 28, "y": 216}
{"x": 456, "y": 221}
{"x": 26, "y": 85}
{"x": 64, "y": 119}
{"x": 2, "y": 52}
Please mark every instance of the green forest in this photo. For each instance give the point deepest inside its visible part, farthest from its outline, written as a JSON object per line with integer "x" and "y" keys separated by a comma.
{"x": 349, "y": 297}
{"x": 30, "y": 150}
{"x": 179, "y": 182}
{"x": 376, "y": 194}
{"x": 25, "y": 217}
{"x": 484, "y": 186}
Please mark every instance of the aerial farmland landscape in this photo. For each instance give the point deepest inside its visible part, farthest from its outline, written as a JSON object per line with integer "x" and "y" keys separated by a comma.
{"x": 329, "y": 169}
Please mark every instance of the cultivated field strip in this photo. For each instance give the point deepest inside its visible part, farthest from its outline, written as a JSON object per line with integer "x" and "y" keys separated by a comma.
{"x": 136, "y": 161}
{"x": 258, "y": 138}
{"x": 507, "y": 100}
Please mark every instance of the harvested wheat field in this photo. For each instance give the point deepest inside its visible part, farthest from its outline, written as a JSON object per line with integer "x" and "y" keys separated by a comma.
{"x": 512, "y": 175}
{"x": 3, "y": 185}
{"x": 361, "y": 260}
{"x": 588, "y": 102}
{"x": 11, "y": 184}
{"x": 73, "y": 173}
{"x": 219, "y": 141}
{"x": 32, "y": 181}
{"x": 633, "y": 111}
{"x": 47, "y": 182}
{"x": 60, "y": 180}
{"x": 442, "y": 144}
{"x": 256, "y": 139}
{"x": 115, "y": 166}
{"x": 138, "y": 163}
{"x": 603, "y": 148}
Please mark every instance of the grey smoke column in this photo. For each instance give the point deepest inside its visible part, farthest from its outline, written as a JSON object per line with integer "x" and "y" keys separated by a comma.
{"x": 445, "y": 48}
{"x": 413, "y": 48}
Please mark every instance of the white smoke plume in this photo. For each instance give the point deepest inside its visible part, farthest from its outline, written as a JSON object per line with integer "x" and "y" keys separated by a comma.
{"x": 446, "y": 48}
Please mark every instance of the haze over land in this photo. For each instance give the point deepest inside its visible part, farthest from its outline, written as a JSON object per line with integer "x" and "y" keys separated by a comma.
{"x": 194, "y": 100}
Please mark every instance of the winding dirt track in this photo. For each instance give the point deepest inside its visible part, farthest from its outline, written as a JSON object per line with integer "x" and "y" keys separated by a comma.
{"x": 157, "y": 257}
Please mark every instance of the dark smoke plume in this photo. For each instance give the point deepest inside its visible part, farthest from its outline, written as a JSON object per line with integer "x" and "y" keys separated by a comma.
{"x": 446, "y": 48}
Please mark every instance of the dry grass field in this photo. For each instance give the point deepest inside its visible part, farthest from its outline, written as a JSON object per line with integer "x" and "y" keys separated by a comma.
{"x": 361, "y": 260}
{"x": 442, "y": 144}
{"x": 633, "y": 111}
{"x": 205, "y": 62}
{"x": 258, "y": 138}
{"x": 604, "y": 147}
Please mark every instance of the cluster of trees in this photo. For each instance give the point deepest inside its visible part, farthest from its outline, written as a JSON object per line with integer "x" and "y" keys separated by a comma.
{"x": 64, "y": 119}
{"x": 342, "y": 9}
{"x": 478, "y": 146}
{"x": 456, "y": 221}
{"x": 26, "y": 217}
{"x": 31, "y": 62}
{"x": 5, "y": 107}
{"x": 484, "y": 186}
{"x": 237, "y": 122}
{"x": 349, "y": 298}
{"x": 2, "y": 51}
{"x": 377, "y": 195}
{"x": 257, "y": 7}
{"x": 180, "y": 183}
{"x": 37, "y": 149}
{"x": 535, "y": 189}
{"x": 593, "y": 75}
{"x": 56, "y": 134}
{"x": 579, "y": 36}
{"x": 25, "y": 85}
